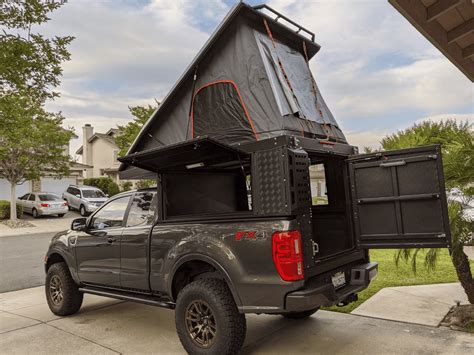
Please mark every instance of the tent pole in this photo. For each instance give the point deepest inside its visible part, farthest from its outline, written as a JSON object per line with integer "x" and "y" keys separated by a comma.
{"x": 191, "y": 101}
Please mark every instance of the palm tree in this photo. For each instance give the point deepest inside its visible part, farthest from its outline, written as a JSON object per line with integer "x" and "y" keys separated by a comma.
{"x": 457, "y": 140}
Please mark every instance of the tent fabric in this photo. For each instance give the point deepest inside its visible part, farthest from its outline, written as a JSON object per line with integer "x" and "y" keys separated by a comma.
{"x": 256, "y": 102}
{"x": 218, "y": 110}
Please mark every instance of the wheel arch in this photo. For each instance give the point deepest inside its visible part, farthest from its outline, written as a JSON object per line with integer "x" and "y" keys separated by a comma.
{"x": 218, "y": 268}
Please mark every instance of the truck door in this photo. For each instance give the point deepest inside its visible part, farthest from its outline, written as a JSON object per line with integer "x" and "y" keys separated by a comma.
{"x": 398, "y": 199}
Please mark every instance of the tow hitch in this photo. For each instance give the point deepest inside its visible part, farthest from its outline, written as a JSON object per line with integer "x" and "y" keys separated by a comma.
{"x": 349, "y": 299}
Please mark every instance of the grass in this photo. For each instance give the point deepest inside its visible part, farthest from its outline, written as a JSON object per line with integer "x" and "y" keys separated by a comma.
{"x": 390, "y": 275}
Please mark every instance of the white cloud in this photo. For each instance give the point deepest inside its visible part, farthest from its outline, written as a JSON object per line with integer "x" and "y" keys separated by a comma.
{"x": 375, "y": 70}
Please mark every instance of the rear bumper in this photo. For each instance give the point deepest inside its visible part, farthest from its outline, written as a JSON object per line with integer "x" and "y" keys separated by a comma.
{"x": 319, "y": 293}
{"x": 52, "y": 211}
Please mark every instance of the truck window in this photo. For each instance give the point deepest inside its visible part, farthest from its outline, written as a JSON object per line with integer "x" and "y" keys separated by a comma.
{"x": 142, "y": 209}
{"x": 319, "y": 193}
{"x": 111, "y": 215}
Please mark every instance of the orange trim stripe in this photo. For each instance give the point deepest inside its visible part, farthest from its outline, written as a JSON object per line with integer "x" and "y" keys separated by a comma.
{"x": 240, "y": 97}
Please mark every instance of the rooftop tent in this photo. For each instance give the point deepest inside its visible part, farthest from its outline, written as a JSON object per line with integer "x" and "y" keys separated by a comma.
{"x": 250, "y": 81}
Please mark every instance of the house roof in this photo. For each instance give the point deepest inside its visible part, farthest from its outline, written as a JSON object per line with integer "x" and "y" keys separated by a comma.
{"x": 108, "y": 137}
{"x": 447, "y": 24}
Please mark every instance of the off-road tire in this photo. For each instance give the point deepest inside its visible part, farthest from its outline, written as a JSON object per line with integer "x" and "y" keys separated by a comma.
{"x": 300, "y": 315}
{"x": 82, "y": 211}
{"x": 230, "y": 325}
{"x": 71, "y": 297}
{"x": 34, "y": 213}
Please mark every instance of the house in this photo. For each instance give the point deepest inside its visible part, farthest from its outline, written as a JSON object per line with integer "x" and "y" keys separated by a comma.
{"x": 100, "y": 152}
{"x": 48, "y": 182}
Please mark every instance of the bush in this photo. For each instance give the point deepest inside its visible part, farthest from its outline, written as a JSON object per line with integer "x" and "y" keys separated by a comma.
{"x": 145, "y": 184}
{"x": 127, "y": 185}
{"x": 106, "y": 184}
{"x": 5, "y": 210}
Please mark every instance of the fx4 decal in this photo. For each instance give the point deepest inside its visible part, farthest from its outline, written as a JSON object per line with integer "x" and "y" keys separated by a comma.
{"x": 249, "y": 235}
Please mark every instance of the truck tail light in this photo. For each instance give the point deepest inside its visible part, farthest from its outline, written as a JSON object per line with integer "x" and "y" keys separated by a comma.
{"x": 287, "y": 255}
{"x": 44, "y": 205}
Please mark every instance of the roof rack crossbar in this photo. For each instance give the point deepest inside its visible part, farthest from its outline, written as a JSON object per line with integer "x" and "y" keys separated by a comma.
{"x": 279, "y": 15}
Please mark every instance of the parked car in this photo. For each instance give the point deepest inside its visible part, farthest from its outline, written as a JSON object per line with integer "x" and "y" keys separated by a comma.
{"x": 85, "y": 199}
{"x": 42, "y": 204}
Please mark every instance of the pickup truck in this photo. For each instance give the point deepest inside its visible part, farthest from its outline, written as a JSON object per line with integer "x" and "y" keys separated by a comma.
{"x": 210, "y": 246}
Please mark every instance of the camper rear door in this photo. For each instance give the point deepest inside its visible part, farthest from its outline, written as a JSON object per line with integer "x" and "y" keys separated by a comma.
{"x": 398, "y": 199}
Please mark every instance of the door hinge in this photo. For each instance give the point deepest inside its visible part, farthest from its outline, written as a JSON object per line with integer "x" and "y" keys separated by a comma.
{"x": 315, "y": 247}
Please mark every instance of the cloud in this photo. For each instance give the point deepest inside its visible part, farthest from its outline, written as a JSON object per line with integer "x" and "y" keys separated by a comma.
{"x": 376, "y": 72}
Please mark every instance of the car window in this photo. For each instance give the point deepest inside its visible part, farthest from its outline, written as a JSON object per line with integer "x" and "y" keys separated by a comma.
{"x": 48, "y": 197}
{"x": 32, "y": 197}
{"x": 142, "y": 210}
{"x": 24, "y": 197}
{"x": 70, "y": 190}
{"x": 92, "y": 194}
{"x": 111, "y": 215}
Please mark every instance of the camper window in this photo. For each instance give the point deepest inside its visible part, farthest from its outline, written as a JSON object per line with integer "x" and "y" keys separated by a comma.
{"x": 206, "y": 193}
{"x": 317, "y": 176}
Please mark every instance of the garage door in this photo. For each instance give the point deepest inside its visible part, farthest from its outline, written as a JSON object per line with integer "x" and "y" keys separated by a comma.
{"x": 20, "y": 189}
{"x": 56, "y": 186}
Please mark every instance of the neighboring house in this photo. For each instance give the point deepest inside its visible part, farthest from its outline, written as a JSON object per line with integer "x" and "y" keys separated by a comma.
{"x": 100, "y": 152}
{"x": 47, "y": 183}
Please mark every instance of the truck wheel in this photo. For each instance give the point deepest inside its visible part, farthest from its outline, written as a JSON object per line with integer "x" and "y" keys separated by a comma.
{"x": 62, "y": 293}
{"x": 300, "y": 315}
{"x": 207, "y": 318}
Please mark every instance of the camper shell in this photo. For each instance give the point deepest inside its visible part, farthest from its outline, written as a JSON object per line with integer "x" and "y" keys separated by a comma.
{"x": 238, "y": 224}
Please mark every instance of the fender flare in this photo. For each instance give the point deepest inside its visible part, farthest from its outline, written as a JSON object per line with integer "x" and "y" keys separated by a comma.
{"x": 211, "y": 261}
{"x": 67, "y": 260}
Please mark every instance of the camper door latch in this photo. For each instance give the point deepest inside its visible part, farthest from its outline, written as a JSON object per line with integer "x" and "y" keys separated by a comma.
{"x": 315, "y": 247}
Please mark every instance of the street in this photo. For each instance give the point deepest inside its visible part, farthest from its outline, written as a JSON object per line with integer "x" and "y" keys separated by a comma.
{"x": 21, "y": 261}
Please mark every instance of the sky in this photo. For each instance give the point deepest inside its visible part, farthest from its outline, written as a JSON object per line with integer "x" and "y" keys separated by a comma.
{"x": 375, "y": 71}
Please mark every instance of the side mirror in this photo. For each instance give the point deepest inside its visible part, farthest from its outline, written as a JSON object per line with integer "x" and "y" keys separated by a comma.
{"x": 79, "y": 224}
{"x": 78, "y": 196}
{"x": 106, "y": 195}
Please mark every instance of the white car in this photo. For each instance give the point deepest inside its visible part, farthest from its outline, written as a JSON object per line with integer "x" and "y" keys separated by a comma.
{"x": 42, "y": 204}
{"x": 85, "y": 199}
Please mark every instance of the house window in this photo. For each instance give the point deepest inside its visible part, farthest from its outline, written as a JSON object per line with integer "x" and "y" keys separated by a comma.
{"x": 116, "y": 156}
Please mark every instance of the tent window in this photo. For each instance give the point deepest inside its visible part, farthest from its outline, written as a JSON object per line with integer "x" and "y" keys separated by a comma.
{"x": 218, "y": 111}
{"x": 307, "y": 104}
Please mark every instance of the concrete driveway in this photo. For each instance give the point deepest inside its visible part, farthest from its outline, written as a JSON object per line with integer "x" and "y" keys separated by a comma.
{"x": 42, "y": 224}
{"x": 108, "y": 326}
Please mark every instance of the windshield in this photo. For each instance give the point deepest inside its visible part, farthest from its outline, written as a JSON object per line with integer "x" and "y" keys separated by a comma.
{"x": 49, "y": 197}
{"x": 92, "y": 194}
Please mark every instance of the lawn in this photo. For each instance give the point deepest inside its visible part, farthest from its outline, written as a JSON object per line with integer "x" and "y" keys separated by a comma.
{"x": 391, "y": 275}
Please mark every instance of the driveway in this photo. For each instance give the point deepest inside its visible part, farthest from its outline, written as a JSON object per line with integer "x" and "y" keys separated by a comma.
{"x": 105, "y": 326}
{"x": 43, "y": 224}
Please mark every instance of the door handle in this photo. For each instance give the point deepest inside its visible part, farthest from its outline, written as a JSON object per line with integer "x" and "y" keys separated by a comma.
{"x": 394, "y": 163}
{"x": 110, "y": 239}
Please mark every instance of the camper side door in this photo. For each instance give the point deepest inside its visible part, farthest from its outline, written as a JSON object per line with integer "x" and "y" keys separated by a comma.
{"x": 398, "y": 199}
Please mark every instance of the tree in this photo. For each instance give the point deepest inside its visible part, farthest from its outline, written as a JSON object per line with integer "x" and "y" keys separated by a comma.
{"x": 130, "y": 131}
{"x": 31, "y": 139}
{"x": 457, "y": 142}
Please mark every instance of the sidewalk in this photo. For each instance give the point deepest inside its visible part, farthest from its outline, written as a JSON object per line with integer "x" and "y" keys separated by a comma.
{"x": 46, "y": 224}
{"x": 106, "y": 326}
{"x": 424, "y": 304}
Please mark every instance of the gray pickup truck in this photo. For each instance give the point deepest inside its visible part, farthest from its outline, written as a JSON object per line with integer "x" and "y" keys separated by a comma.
{"x": 261, "y": 205}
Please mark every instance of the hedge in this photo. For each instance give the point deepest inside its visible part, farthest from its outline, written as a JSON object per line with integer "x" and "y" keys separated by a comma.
{"x": 5, "y": 210}
{"x": 106, "y": 184}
